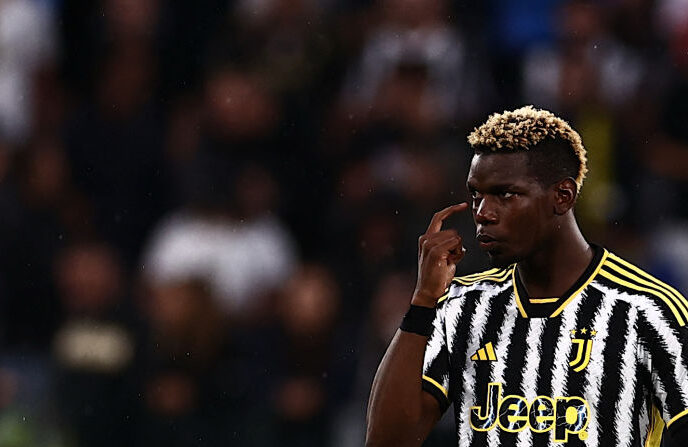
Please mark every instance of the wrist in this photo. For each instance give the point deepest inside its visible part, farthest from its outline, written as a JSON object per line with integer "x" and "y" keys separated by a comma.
{"x": 423, "y": 300}
{"x": 419, "y": 320}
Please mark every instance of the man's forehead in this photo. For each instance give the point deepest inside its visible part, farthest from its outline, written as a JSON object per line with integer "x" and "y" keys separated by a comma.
{"x": 500, "y": 168}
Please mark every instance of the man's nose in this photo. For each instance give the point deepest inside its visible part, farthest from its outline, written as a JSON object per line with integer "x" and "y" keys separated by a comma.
{"x": 485, "y": 212}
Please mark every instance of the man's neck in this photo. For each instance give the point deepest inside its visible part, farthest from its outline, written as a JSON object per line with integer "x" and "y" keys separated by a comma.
{"x": 551, "y": 271}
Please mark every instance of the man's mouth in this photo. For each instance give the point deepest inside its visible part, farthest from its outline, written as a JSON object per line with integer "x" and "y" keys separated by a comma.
{"x": 486, "y": 241}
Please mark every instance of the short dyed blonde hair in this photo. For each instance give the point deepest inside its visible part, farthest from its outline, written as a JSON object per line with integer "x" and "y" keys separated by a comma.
{"x": 522, "y": 129}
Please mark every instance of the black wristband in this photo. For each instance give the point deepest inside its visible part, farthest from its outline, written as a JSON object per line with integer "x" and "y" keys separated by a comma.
{"x": 419, "y": 320}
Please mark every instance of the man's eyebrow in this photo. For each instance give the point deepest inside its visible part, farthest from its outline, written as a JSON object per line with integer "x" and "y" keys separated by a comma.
{"x": 493, "y": 187}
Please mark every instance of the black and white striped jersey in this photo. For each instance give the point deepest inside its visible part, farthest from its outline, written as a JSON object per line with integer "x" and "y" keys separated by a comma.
{"x": 605, "y": 365}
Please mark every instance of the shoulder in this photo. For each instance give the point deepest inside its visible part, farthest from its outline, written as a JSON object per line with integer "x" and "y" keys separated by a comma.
{"x": 461, "y": 284}
{"x": 645, "y": 288}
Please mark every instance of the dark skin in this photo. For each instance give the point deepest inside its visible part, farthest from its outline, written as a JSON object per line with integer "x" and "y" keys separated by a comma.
{"x": 518, "y": 219}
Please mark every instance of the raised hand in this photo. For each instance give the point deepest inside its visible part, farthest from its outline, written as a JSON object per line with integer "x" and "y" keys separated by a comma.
{"x": 438, "y": 253}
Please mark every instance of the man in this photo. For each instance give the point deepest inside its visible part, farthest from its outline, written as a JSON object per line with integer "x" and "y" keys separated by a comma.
{"x": 561, "y": 343}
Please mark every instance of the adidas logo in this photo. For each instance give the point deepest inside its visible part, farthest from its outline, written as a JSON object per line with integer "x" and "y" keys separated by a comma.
{"x": 486, "y": 353}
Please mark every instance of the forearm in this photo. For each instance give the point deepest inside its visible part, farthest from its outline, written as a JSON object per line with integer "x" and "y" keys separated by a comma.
{"x": 400, "y": 413}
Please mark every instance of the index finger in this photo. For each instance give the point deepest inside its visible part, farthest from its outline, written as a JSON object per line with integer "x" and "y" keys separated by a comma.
{"x": 438, "y": 218}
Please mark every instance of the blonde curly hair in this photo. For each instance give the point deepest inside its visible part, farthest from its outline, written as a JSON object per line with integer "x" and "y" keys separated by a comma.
{"x": 524, "y": 128}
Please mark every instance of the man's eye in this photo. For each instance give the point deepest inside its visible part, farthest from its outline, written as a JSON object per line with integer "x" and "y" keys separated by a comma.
{"x": 507, "y": 195}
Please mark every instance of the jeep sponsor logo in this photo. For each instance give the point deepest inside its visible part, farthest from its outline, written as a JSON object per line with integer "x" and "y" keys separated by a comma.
{"x": 563, "y": 415}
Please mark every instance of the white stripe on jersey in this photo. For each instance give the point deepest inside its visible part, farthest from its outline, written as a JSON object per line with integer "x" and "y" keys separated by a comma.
{"x": 670, "y": 342}
{"x": 476, "y": 329}
{"x": 530, "y": 371}
{"x": 497, "y": 369}
{"x": 623, "y": 420}
{"x": 453, "y": 313}
{"x": 592, "y": 389}
{"x": 435, "y": 342}
{"x": 560, "y": 368}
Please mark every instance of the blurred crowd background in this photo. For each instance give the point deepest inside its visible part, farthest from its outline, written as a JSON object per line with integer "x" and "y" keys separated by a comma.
{"x": 209, "y": 210}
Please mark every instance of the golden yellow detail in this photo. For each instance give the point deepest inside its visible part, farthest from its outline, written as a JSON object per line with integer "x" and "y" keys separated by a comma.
{"x": 677, "y": 417}
{"x": 654, "y": 435}
{"x": 518, "y": 298}
{"x": 434, "y": 382}
{"x": 543, "y": 300}
{"x": 653, "y": 284}
{"x": 645, "y": 289}
{"x": 650, "y": 277}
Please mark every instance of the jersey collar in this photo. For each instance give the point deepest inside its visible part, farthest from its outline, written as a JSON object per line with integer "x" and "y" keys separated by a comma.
{"x": 551, "y": 307}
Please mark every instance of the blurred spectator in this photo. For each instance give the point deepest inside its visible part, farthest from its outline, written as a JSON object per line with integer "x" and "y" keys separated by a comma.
{"x": 589, "y": 76}
{"x": 197, "y": 386}
{"x": 416, "y": 70}
{"x": 584, "y": 64}
{"x": 40, "y": 209}
{"x": 310, "y": 358}
{"x": 27, "y": 44}
{"x": 94, "y": 347}
{"x": 115, "y": 149}
{"x": 226, "y": 235}
{"x": 389, "y": 303}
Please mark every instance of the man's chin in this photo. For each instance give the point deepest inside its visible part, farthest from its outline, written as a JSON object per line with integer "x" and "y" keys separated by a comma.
{"x": 501, "y": 260}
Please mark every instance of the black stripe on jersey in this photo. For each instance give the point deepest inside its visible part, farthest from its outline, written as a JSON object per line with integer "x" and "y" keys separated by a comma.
{"x": 516, "y": 357}
{"x": 496, "y": 315}
{"x": 611, "y": 382}
{"x": 663, "y": 359}
{"x": 549, "y": 340}
{"x": 644, "y": 284}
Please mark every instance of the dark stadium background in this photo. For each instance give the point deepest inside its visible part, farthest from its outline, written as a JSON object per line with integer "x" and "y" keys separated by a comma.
{"x": 209, "y": 209}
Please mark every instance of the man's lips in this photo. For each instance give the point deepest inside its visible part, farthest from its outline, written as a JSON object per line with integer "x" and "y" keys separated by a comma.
{"x": 486, "y": 241}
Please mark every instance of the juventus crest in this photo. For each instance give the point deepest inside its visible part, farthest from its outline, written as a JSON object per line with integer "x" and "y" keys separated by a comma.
{"x": 582, "y": 340}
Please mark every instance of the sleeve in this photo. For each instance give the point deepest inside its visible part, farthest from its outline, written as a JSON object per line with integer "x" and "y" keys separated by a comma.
{"x": 665, "y": 339}
{"x": 436, "y": 362}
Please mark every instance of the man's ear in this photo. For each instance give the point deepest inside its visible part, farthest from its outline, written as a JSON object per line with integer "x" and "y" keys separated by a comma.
{"x": 565, "y": 194}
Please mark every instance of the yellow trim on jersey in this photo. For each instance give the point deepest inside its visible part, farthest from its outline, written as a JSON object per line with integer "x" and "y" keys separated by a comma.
{"x": 518, "y": 298}
{"x": 645, "y": 289}
{"x": 445, "y": 296}
{"x": 653, "y": 285}
{"x": 497, "y": 277}
{"x": 650, "y": 277}
{"x": 434, "y": 382}
{"x": 473, "y": 275}
{"x": 654, "y": 435}
{"x": 468, "y": 280}
{"x": 585, "y": 284}
{"x": 677, "y": 417}
{"x": 543, "y": 300}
